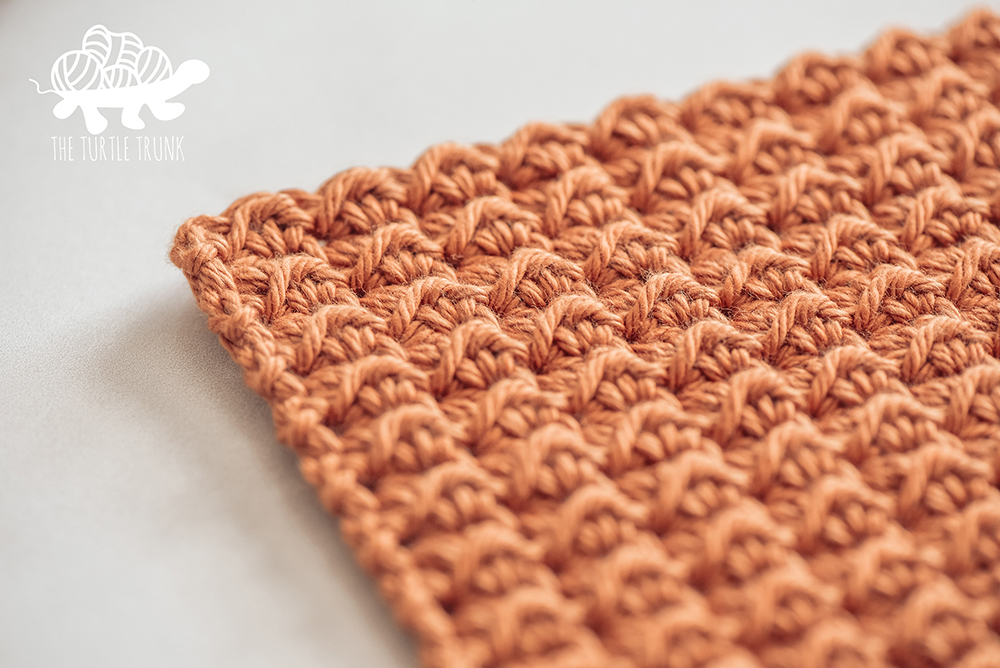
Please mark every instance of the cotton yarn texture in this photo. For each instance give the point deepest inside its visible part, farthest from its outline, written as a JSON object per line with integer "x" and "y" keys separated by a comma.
{"x": 709, "y": 383}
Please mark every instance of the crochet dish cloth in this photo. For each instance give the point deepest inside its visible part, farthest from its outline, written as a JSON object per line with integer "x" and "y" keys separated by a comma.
{"x": 709, "y": 383}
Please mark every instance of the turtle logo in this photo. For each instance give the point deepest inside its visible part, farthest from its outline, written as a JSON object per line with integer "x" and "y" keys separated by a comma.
{"x": 114, "y": 70}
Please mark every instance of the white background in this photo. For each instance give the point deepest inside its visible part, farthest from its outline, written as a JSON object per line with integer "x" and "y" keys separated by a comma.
{"x": 148, "y": 516}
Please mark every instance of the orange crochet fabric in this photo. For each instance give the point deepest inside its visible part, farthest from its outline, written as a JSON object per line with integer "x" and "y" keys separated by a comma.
{"x": 713, "y": 383}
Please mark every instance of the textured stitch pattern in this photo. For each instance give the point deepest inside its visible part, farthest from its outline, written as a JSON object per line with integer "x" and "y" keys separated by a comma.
{"x": 713, "y": 383}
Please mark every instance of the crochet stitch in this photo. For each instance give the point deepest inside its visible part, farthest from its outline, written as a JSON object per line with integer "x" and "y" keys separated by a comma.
{"x": 701, "y": 384}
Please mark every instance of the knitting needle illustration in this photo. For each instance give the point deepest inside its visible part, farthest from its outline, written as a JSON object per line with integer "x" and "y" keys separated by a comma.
{"x": 115, "y": 71}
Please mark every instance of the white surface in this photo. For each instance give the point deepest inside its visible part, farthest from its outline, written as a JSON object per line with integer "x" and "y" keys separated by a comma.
{"x": 147, "y": 515}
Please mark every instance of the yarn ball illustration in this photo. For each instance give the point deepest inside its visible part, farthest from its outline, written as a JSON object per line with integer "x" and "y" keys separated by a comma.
{"x": 78, "y": 70}
{"x": 109, "y": 60}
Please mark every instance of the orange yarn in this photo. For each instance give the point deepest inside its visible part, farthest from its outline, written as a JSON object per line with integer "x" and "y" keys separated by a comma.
{"x": 702, "y": 384}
